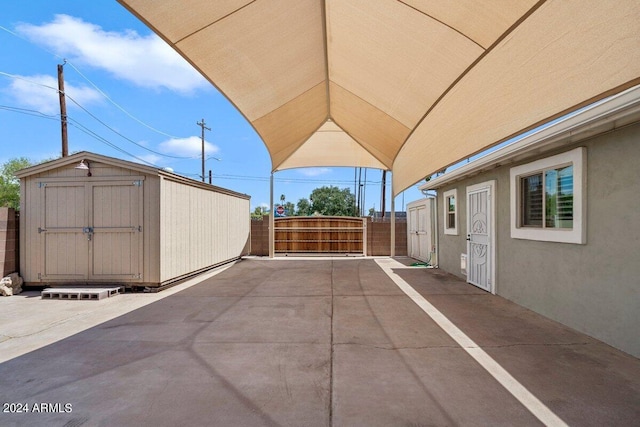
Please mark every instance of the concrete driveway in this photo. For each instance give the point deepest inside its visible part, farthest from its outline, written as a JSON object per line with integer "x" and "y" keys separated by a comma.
{"x": 292, "y": 342}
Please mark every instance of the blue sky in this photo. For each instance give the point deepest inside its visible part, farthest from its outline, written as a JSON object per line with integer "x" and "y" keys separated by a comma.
{"x": 126, "y": 88}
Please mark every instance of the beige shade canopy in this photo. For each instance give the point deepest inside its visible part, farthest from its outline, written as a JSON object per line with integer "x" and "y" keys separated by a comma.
{"x": 411, "y": 86}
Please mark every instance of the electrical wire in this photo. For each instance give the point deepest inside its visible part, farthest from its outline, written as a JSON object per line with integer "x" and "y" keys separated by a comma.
{"x": 289, "y": 180}
{"x": 95, "y": 117}
{"x": 30, "y": 112}
{"x": 100, "y": 138}
{"x": 123, "y": 136}
{"x": 118, "y": 106}
{"x": 14, "y": 76}
{"x": 91, "y": 83}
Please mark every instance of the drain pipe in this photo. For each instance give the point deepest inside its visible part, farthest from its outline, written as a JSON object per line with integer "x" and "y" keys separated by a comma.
{"x": 433, "y": 196}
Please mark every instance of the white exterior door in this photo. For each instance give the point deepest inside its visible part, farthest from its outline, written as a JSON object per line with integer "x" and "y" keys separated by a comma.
{"x": 481, "y": 236}
{"x": 419, "y": 233}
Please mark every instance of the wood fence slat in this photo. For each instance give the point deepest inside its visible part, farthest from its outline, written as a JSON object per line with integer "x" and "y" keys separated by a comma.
{"x": 319, "y": 235}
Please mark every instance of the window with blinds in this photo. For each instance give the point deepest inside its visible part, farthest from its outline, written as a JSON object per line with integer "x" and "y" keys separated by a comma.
{"x": 547, "y": 199}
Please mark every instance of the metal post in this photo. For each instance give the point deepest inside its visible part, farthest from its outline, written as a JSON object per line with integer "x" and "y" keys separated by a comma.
{"x": 272, "y": 222}
{"x": 393, "y": 220}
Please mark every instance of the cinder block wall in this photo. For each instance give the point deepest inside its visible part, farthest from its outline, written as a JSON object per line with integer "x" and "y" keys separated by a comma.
{"x": 8, "y": 241}
{"x": 379, "y": 238}
{"x": 260, "y": 236}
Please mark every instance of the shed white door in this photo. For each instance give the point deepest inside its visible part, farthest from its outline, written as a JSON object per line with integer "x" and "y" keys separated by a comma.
{"x": 481, "y": 236}
{"x": 419, "y": 230}
{"x": 92, "y": 231}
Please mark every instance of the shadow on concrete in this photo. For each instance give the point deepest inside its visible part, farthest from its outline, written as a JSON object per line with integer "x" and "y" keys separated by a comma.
{"x": 319, "y": 342}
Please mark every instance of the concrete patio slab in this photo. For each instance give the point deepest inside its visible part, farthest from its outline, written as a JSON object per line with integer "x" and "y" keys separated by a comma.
{"x": 322, "y": 342}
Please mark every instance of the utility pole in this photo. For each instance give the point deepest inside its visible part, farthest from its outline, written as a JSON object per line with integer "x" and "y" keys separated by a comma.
{"x": 202, "y": 125}
{"x": 364, "y": 194}
{"x": 359, "y": 191}
{"x": 384, "y": 191}
{"x": 63, "y": 110}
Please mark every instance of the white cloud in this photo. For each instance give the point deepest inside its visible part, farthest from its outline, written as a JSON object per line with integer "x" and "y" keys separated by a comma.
{"x": 151, "y": 158}
{"x": 191, "y": 146}
{"x": 40, "y": 92}
{"x": 146, "y": 61}
{"x": 314, "y": 171}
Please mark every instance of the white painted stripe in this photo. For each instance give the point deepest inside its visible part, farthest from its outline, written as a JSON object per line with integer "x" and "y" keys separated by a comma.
{"x": 524, "y": 396}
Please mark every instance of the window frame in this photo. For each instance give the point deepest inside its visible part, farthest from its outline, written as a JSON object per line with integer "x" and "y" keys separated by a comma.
{"x": 577, "y": 234}
{"x": 445, "y": 197}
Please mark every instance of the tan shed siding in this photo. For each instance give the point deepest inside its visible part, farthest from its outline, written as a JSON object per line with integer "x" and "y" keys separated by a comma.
{"x": 199, "y": 228}
{"x": 32, "y": 215}
{"x": 31, "y": 262}
{"x": 151, "y": 254}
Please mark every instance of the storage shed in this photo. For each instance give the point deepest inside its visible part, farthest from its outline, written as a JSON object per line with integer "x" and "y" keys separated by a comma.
{"x": 421, "y": 230}
{"x": 92, "y": 219}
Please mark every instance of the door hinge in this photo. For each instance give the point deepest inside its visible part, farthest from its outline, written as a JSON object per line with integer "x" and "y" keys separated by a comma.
{"x": 137, "y": 183}
{"x": 39, "y": 276}
{"x": 42, "y": 184}
{"x": 137, "y": 276}
{"x": 40, "y": 230}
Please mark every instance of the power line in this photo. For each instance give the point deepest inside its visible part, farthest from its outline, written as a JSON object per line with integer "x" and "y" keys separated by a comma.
{"x": 293, "y": 180}
{"x": 118, "y": 106}
{"x": 14, "y": 76}
{"x": 30, "y": 112}
{"x": 94, "y": 117}
{"x": 100, "y": 138}
{"x": 123, "y": 136}
{"x": 91, "y": 83}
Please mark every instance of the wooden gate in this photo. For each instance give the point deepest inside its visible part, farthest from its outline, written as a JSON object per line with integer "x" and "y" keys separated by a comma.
{"x": 326, "y": 235}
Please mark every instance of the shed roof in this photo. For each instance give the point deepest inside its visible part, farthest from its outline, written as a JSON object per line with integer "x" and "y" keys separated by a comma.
{"x": 112, "y": 161}
{"x": 406, "y": 85}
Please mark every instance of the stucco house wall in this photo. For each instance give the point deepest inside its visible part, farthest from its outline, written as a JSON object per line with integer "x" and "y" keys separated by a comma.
{"x": 592, "y": 287}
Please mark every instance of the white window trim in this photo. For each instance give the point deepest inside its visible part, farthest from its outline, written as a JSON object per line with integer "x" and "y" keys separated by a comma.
{"x": 578, "y": 234}
{"x": 452, "y": 231}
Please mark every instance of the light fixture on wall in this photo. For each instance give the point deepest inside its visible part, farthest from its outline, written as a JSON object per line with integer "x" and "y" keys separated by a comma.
{"x": 84, "y": 166}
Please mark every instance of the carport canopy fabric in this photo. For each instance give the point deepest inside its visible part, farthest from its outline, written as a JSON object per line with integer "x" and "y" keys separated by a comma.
{"x": 410, "y": 86}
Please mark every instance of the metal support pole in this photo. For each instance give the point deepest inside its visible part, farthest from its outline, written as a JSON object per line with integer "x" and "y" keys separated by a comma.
{"x": 393, "y": 219}
{"x": 272, "y": 222}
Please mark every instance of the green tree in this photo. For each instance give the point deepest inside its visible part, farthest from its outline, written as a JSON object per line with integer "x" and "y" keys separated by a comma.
{"x": 304, "y": 208}
{"x": 9, "y": 184}
{"x": 289, "y": 208}
{"x": 259, "y": 212}
{"x": 330, "y": 201}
